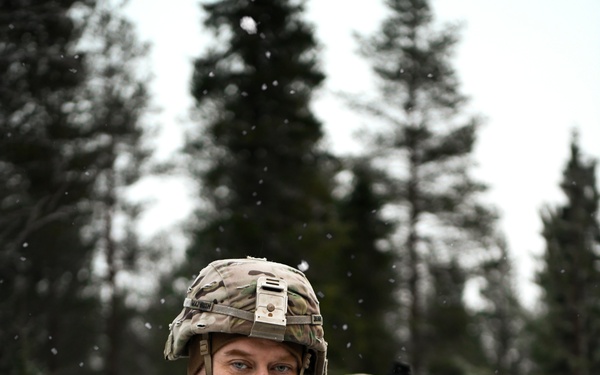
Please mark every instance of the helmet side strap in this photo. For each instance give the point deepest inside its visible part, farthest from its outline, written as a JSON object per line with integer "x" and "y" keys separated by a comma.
{"x": 205, "y": 351}
{"x": 305, "y": 361}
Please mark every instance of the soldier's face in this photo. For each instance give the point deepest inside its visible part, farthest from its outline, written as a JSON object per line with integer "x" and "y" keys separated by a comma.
{"x": 253, "y": 356}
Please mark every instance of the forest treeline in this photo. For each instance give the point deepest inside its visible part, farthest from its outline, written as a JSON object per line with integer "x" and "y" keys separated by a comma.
{"x": 391, "y": 238}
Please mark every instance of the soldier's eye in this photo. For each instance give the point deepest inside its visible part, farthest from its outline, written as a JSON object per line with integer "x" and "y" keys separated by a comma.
{"x": 283, "y": 368}
{"x": 239, "y": 365}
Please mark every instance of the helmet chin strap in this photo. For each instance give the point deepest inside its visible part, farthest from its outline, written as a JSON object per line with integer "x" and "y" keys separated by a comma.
{"x": 305, "y": 361}
{"x": 205, "y": 351}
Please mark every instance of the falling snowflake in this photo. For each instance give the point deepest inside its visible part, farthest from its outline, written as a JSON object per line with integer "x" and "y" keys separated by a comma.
{"x": 303, "y": 266}
{"x": 248, "y": 24}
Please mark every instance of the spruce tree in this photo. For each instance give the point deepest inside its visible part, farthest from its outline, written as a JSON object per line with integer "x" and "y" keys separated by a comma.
{"x": 265, "y": 180}
{"x": 429, "y": 142}
{"x": 45, "y": 263}
{"x": 567, "y": 332}
{"x": 67, "y": 130}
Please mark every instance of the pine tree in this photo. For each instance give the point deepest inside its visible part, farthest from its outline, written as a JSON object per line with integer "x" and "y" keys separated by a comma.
{"x": 567, "y": 335}
{"x": 69, "y": 140}
{"x": 432, "y": 142}
{"x": 45, "y": 262}
{"x": 266, "y": 182}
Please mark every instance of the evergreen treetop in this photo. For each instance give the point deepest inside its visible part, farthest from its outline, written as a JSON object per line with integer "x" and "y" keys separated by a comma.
{"x": 263, "y": 173}
{"x": 565, "y": 335}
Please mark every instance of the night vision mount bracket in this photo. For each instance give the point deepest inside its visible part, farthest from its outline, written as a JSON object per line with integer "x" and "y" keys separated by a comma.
{"x": 271, "y": 308}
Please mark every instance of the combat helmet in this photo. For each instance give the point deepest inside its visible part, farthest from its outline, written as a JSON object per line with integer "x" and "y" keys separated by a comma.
{"x": 250, "y": 297}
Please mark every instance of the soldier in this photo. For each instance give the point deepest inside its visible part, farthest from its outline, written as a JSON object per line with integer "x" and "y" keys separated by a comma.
{"x": 249, "y": 317}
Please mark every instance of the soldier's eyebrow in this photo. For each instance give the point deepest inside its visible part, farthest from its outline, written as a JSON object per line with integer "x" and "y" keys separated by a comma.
{"x": 235, "y": 352}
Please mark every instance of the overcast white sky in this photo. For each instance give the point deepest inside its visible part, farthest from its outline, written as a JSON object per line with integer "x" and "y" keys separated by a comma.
{"x": 530, "y": 67}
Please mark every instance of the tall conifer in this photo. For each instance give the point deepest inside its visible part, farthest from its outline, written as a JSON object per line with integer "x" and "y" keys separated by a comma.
{"x": 67, "y": 122}
{"x": 45, "y": 262}
{"x": 567, "y": 334}
{"x": 429, "y": 143}
{"x": 266, "y": 181}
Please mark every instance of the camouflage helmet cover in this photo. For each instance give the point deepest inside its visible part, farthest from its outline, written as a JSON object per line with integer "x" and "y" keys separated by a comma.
{"x": 226, "y": 297}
